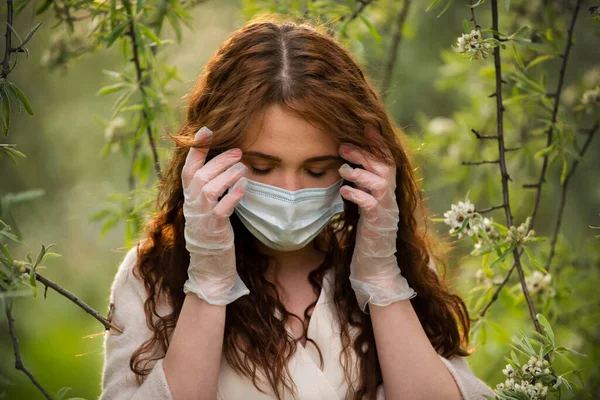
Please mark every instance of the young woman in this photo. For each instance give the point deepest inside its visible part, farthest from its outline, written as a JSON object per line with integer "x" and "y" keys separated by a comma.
{"x": 286, "y": 261}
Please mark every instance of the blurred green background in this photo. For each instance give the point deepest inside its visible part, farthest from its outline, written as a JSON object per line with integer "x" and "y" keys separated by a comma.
{"x": 436, "y": 96}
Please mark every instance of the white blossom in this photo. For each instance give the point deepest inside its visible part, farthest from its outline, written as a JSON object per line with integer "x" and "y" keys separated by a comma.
{"x": 538, "y": 282}
{"x": 591, "y": 98}
{"x": 116, "y": 129}
{"x": 508, "y": 371}
{"x": 457, "y": 215}
{"x": 473, "y": 45}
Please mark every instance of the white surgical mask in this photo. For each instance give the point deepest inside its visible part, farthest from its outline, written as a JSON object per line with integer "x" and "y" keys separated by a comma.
{"x": 288, "y": 220}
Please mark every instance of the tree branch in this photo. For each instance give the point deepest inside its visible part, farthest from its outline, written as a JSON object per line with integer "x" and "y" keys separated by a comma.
{"x": 480, "y": 162}
{"x": 502, "y": 159}
{"x": 18, "y": 361}
{"x": 561, "y": 80}
{"x": 563, "y": 197}
{"x": 138, "y": 70}
{"x": 393, "y": 53}
{"x": 542, "y": 179}
{"x": 8, "y": 37}
{"x": 48, "y": 283}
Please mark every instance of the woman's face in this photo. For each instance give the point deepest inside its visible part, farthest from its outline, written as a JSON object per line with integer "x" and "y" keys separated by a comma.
{"x": 290, "y": 153}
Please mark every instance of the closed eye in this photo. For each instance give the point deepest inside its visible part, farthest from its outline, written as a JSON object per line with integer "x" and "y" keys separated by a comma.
{"x": 268, "y": 170}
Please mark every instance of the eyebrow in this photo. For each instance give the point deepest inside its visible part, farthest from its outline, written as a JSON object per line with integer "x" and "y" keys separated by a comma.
{"x": 277, "y": 159}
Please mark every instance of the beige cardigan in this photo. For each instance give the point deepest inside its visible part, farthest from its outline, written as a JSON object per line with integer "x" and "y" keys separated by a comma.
{"x": 118, "y": 381}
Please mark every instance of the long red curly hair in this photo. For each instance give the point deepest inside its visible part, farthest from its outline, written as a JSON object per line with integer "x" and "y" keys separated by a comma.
{"x": 297, "y": 65}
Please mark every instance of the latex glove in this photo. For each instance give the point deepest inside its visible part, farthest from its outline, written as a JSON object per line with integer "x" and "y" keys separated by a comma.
{"x": 374, "y": 272}
{"x": 212, "y": 273}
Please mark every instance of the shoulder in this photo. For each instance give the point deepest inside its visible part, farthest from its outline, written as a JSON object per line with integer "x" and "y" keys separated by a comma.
{"x": 125, "y": 283}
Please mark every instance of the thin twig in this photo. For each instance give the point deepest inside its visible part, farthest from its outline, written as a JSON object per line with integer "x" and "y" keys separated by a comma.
{"x": 138, "y": 70}
{"x": 502, "y": 159}
{"x": 473, "y": 14}
{"x": 8, "y": 37}
{"x": 561, "y": 80}
{"x": 480, "y": 162}
{"x": 563, "y": 197}
{"x": 490, "y": 209}
{"x": 136, "y": 150}
{"x": 480, "y": 136}
{"x": 542, "y": 175}
{"x": 107, "y": 324}
{"x": 393, "y": 52}
{"x": 358, "y": 11}
{"x": 18, "y": 360}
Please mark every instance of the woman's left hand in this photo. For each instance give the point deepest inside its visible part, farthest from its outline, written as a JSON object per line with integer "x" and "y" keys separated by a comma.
{"x": 374, "y": 271}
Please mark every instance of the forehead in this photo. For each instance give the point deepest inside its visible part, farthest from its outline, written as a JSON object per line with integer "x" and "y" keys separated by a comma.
{"x": 284, "y": 134}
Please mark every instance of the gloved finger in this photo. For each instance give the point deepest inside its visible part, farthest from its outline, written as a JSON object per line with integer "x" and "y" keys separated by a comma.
{"x": 377, "y": 138}
{"x": 366, "y": 202}
{"x": 376, "y": 185}
{"x": 195, "y": 157}
{"x": 210, "y": 193}
{"x": 212, "y": 169}
{"x": 358, "y": 156}
{"x": 226, "y": 205}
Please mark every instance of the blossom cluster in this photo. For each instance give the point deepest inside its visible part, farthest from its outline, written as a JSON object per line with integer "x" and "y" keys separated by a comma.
{"x": 529, "y": 380}
{"x": 522, "y": 234}
{"x": 591, "y": 98}
{"x": 539, "y": 282}
{"x": 475, "y": 224}
{"x": 473, "y": 45}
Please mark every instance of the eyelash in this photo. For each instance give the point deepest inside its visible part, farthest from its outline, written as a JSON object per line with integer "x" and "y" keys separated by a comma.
{"x": 316, "y": 175}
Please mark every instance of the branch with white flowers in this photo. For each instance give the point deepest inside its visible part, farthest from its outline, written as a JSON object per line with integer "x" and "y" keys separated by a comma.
{"x": 538, "y": 185}
{"x": 503, "y": 170}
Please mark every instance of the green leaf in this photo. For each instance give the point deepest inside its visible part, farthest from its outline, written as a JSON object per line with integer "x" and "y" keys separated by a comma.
{"x": 139, "y": 6}
{"x": 14, "y": 32}
{"x": 448, "y": 5}
{"x": 22, "y": 98}
{"x": 544, "y": 322}
{"x": 149, "y": 34}
{"x": 563, "y": 348}
{"x": 30, "y": 34}
{"x": 111, "y": 89}
{"x": 467, "y": 26}
{"x": 540, "y": 59}
{"x": 116, "y": 33}
{"x": 50, "y": 255}
{"x": 533, "y": 260}
{"x": 432, "y": 5}
{"x": 518, "y": 56}
{"x": 6, "y": 112}
{"x": 174, "y": 21}
{"x": 43, "y": 6}
{"x": 519, "y": 32}
{"x": 32, "y": 281}
{"x": 565, "y": 168}
{"x": 11, "y": 237}
{"x": 113, "y": 14}
{"x": 503, "y": 256}
{"x": 544, "y": 152}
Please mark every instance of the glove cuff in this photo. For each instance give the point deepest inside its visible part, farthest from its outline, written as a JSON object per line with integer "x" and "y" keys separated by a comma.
{"x": 217, "y": 298}
{"x": 399, "y": 289}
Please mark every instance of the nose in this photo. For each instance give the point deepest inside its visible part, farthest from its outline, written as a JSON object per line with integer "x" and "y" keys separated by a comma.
{"x": 289, "y": 181}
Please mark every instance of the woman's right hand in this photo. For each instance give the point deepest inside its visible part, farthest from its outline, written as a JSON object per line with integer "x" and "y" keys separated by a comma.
{"x": 212, "y": 273}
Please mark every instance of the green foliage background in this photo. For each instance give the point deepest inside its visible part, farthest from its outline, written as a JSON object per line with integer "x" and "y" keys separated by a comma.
{"x": 437, "y": 95}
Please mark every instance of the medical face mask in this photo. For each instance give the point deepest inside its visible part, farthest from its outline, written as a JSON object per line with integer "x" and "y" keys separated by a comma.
{"x": 288, "y": 220}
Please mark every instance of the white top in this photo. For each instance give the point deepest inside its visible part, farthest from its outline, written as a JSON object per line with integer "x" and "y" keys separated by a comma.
{"x": 119, "y": 382}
